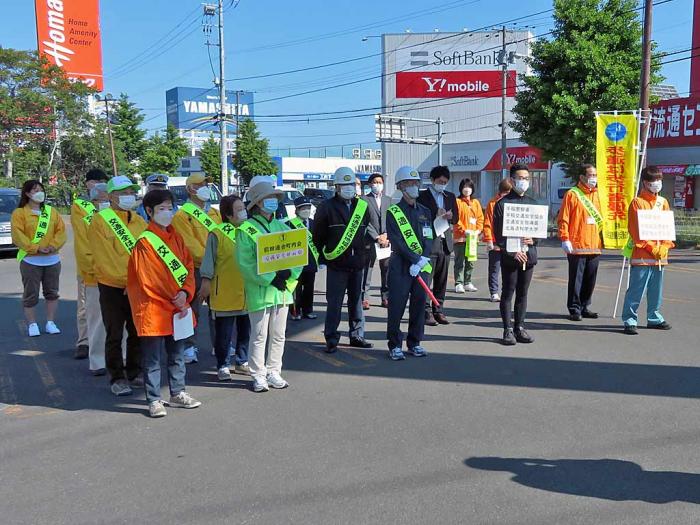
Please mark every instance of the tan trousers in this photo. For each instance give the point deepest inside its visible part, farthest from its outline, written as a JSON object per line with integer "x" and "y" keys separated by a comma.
{"x": 267, "y": 332}
{"x": 82, "y": 315}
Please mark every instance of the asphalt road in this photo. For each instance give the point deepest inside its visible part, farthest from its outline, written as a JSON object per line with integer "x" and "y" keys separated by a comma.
{"x": 585, "y": 426}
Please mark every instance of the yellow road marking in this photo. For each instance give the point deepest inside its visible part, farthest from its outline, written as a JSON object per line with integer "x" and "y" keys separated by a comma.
{"x": 323, "y": 357}
{"x": 52, "y": 389}
{"x": 357, "y": 355}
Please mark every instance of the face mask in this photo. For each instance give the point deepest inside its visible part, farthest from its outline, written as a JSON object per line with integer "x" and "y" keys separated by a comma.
{"x": 270, "y": 205}
{"x": 39, "y": 197}
{"x": 654, "y": 187}
{"x": 412, "y": 192}
{"x": 347, "y": 192}
{"x": 467, "y": 192}
{"x": 592, "y": 182}
{"x": 242, "y": 215}
{"x": 203, "y": 193}
{"x": 163, "y": 217}
{"x": 377, "y": 188}
{"x": 439, "y": 187}
{"x": 127, "y": 202}
{"x": 103, "y": 206}
{"x": 521, "y": 186}
{"x": 304, "y": 214}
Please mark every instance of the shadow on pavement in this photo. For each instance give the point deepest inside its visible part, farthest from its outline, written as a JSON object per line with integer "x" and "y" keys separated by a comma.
{"x": 610, "y": 479}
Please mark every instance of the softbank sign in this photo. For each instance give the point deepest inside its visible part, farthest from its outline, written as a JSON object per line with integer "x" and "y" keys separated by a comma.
{"x": 453, "y": 84}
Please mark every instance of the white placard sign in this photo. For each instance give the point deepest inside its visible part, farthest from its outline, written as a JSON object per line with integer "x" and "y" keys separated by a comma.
{"x": 656, "y": 225}
{"x": 525, "y": 220}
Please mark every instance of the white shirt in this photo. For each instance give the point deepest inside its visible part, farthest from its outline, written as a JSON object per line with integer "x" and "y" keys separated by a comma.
{"x": 439, "y": 197}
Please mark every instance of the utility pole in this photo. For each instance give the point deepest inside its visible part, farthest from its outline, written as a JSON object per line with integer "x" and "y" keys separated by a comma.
{"x": 107, "y": 99}
{"x": 504, "y": 92}
{"x": 439, "y": 123}
{"x": 646, "y": 71}
{"x": 222, "y": 104}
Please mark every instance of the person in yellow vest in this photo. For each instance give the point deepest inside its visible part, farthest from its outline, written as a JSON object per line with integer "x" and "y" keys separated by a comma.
{"x": 649, "y": 258}
{"x": 194, "y": 221}
{"x": 39, "y": 233}
{"x": 222, "y": 283}
{"x": 304, "y": 293}
{"x": 81, "y": 213}
{"x": 580, "y": 224}
{"x": 113, "y": 234}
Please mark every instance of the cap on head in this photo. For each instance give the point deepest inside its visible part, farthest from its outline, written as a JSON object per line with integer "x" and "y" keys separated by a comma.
{"x": 262, "y": 190}
{"x": 300, "y": 202}
{"x": 406, "y": 173}
{"x": 157, "y": 179}
{"x": 344, "y": 175}
{"x": 197, "y": 178}
{"x": 96, "y": 174}
{"x": 121, "y": 182}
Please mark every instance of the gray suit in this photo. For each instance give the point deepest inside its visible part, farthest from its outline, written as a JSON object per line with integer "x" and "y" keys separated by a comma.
{"x": 377, "y": 226}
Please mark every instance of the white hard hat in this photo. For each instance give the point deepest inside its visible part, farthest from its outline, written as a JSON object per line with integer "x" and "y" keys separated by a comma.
{"x": 406, "y": 173}
{"x": 344, "y": 175}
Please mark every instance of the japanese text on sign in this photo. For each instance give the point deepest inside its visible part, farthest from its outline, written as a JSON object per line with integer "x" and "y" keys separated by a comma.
{"x": 525, "y": 221}
{"x": 282, "y": 251}
{"x": 656, "y": 225}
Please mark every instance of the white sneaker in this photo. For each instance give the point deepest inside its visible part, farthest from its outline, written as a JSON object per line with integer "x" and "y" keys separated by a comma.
{"x": 260, "y": 384}
{"x": 495, "y": 298}
{"x": 191, "y": 354}
{"x": 51, "y": 328}
{"x": 224, "y": 374}
{"x": 275, "y": 380}
{"x": 459, "y": 288}
{"x": 471, "y": 288}
{"x": 157, "y": 409}
{"x": 121, "y": 388}
{"x": 33, "y": 330}
{"x": 183, "y": 400}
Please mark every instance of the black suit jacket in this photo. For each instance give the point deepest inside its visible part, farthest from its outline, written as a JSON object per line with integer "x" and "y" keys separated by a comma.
{"x": 426, "y": 198}
{"x": 377, "y": 216}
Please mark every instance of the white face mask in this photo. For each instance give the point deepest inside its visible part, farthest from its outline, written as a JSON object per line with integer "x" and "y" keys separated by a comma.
{"x": 348, "y": 192}
{"x": 242, "y": 215}
{"x": 655, "y": 186}
{"x": 467, "y": 192}
{"x": 439, "y": 187}
{"x": 103, "y": 205}
{"x": 412, "y": 192}
{"x": 163, "y": 217}
{"x": 304, "y": 214}
{"x": 521, "y": 186}
{"x": 377, "y": 188}
{"x": 39, "y": 197}
{"x": 203, "y": 193}
{"x": 592, "y": 182}
{"x": 127, "y": 202}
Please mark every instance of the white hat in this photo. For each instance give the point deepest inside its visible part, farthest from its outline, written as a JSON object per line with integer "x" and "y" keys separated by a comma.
{"x": 262, "y": 178}
{"x": 406, "y": 173}
{"x": 344, "y": 175}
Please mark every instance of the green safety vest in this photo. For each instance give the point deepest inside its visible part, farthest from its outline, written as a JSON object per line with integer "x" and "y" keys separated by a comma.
{"x": 172, "y": 263}
{"x": 119, "y": 229}
{"x": 298, "y": 224}
{"x": 229, "y": 231}
{"x": 350, "y": 231}
{"x": 408, "y": 234}
{"x": 252, "y": 231}
{"x": 200, "y": 215}
{"x": 590, "y": 207}
{"x": 88, "y": 207}
{"x": 629, "y": 247}
{"x": 41, "y": 228}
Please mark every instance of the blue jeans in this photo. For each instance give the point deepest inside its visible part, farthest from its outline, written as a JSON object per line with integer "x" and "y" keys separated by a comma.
{"x": 229, "y": 342}
{"x": 151, "y": 348}
{"x": 651, "y": 280}
{"x": 240, "y": 339}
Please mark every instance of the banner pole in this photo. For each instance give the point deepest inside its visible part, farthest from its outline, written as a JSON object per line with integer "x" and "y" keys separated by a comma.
{"x": 619, "y": 286}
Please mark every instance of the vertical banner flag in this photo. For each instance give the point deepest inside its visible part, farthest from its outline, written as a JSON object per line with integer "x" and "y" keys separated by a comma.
{"x": 616, "y": 159}
{"x": 68, "y": 35}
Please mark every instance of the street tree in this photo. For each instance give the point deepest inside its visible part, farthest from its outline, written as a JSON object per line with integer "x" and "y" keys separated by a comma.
{"x": 252, "y": 157}
{"x": 210, "y": 157}
{"x": 590, "y": 63}
{"x": 163, "y": 152}
{"x": 126, "y": 128}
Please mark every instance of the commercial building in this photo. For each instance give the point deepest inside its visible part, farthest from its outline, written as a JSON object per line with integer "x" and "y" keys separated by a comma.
{"x": 304, "y": 172}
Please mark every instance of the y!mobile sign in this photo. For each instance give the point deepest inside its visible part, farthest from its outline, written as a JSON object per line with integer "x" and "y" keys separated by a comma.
{"x": 453, "y": 84}
{"x": 68, "y": 35}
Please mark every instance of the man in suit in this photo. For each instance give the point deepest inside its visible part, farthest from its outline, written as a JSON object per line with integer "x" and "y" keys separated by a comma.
{"x": 442, "y": 204}
{"x": 378, "y": 206}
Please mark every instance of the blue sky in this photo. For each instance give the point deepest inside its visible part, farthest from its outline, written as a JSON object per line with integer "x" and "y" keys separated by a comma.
{"x": 330, "y": 31}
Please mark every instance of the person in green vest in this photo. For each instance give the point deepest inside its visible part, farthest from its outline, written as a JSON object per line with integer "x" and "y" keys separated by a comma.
{"x": 409, "y": 230}
{"x": 304, "y": 293}
{"x": 268, "y": 295}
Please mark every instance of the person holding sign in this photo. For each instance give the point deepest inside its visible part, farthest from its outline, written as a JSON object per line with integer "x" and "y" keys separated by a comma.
{"x": 194, "y": 221}
{"x": 160, "y": 288}
{"x": 504, "y": 188}
{"x": 518, "y": 259}
{"x": 304, "y": 294}
{"x": 378, "y": 204}
{"x": 268, "y": 295}
{"x": 113, "y": 234}
{"x": 340, "y": 235}
{"x": 227, "y": 296}
{"x": 81, "y": 213}
{"x": 649, "y": 256}
{"x": 580, "y": 225}
{"x": 39, "y": 233}
{"x": 469, "y": 225}
{"x": 410, "y": 232}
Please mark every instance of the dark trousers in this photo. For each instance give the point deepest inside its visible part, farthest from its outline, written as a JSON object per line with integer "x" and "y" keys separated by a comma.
{"x": 116, "y": 313}
{"x": 225, "y": 347}
{"x": 304, "y": 293}
{"x": 196, "y": 306}
{"x": 367, "y": 279}
{"x": 440, "y": 262}
{"x": 516, "y": 281}
{"x": 583, "y": 270}
{"x": 337, "y": 283}
{"x": 494, "y": 270}
{"x": 401, "y": 287}
{"x": 152, "y": 350}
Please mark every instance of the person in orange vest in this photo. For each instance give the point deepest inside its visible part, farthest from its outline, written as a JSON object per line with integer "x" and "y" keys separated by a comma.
{"x": 470, "y": 219}
{"x": 648, "y": 258}
{"x": 161, "y": 287}
{"x": 580, "y": 225}
{"x": 494, "y": 250}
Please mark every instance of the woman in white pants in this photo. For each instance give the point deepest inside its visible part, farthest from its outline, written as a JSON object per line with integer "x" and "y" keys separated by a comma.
{"x": 268, "y": 295}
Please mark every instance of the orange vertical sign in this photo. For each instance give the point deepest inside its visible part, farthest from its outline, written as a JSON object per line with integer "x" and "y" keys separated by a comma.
{"x": 68, "y": 35}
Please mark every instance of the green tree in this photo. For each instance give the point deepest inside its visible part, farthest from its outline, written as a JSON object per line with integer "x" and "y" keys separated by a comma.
{"x": 83, "y": 150}
{"x": 591, "y": 63}
{"x": 163, "y": 153}
{"x": 210, "y": 157}
{"x": 126, "y": 128}
{"x": 252, "y": 157}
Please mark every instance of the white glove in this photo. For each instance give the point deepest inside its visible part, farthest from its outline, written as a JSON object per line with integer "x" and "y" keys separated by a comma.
{"x": 489, "y": 246}
{"x": 414, "y": 270}
{"x": 321, "y": 267}
{"x": 423, "y": 261}
{"x": 567, "y": 247}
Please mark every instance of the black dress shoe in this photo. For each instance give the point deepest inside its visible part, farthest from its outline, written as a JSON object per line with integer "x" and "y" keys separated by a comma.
{"x": 430, "y": 320}
{"x": 660, "y": 326}
{"x": 310, "y": 316}
{"x": 587, "y": 314}
{"x": 508, "y": 337}
{"x": 82, "y": 352}
{"x": 359, "y": 342}
{"x": 631, "y": 330}
{"x": 574, "y": 317}
{"x": 521, "y": 336}
{"x": 331, "y": 348}
{"x": 440, "y": 318}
